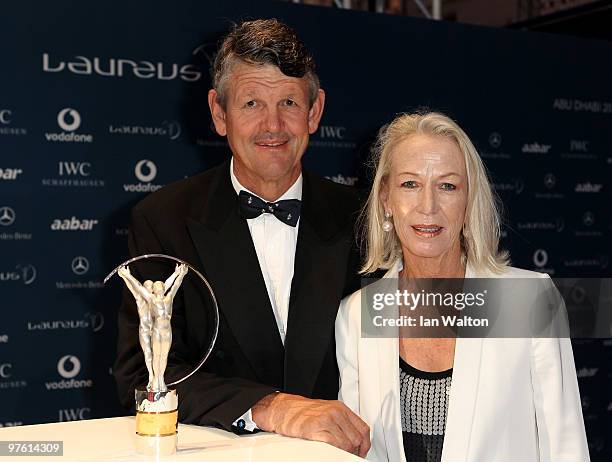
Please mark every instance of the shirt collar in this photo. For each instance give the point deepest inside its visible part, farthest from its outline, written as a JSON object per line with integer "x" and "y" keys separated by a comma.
{"x": 294, "y": 192}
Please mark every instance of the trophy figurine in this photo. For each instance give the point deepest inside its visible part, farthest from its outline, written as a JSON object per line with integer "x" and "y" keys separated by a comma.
{"x": 157, "y": 405}
{"x": 154, "y": 302}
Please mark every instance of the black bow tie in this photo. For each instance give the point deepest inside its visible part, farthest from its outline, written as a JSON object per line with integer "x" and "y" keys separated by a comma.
{"x": 287, "y": 211}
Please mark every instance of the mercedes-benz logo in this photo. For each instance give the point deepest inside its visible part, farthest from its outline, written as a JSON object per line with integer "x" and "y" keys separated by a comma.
{"x": 69, "y": 113}
{"x": 495, "y": 140}
{"x": 540, "y": 258}
{"x": 550, "y": 180}
{"x": 145, "y": 177}
{"x": 80, "y": 265}
{"x": 588, "y": 218}
{"x": 7, "y": 216}
{"x": 73, "y": 370}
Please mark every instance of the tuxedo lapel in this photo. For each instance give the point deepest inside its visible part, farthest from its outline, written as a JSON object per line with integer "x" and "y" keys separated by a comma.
{"x": 317, "y": 286}
{"x": 225, "y": 247}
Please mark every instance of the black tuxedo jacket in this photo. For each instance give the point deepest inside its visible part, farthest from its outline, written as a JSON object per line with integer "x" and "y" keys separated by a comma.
{"x": 197, "y": 220}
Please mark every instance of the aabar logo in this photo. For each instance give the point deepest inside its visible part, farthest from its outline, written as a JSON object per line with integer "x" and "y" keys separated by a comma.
{"x": 588, "y": 187}
{"x": 341, "y": 179}
{"x": 10, "y": 173}
{"x": 535, "y": 148}
{"x": 73, "y": 224}
{"x": 120, "y": 67}
{"x": 587, "y": 372}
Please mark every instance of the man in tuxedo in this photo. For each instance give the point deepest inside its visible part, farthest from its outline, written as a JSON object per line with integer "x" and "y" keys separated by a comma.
{"x": 276, "y": 244}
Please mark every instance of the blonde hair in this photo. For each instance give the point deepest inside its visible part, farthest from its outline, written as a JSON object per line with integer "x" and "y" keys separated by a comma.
{"x": 481, "y": 229}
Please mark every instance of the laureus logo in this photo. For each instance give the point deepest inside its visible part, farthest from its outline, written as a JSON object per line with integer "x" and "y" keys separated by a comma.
{"x": 24, "y": 273}
{"x": 120, "y": 67}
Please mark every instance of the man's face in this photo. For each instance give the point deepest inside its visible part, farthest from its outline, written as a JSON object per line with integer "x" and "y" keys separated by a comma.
{"x": 267, "y": 120}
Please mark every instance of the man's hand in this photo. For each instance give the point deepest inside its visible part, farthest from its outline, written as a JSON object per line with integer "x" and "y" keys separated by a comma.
{"x": 313, "y": 419}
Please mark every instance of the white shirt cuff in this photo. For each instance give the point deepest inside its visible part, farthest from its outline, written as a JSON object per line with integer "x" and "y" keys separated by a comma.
{"x": 245, "y": 422}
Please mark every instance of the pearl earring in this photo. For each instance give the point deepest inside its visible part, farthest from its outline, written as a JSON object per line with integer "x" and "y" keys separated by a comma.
{"x": 387, "y": 225}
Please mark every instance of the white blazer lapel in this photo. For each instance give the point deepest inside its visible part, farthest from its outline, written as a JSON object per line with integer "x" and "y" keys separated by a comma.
{"x": 388, "y": 369}
{"x": 464, "y": 389}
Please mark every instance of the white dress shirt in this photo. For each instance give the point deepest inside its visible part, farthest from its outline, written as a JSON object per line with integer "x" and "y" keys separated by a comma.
{"x": 275, "y": 244}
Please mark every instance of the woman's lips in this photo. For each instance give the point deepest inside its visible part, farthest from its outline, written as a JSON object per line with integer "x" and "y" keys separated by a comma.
{"x": 427, "y": 230}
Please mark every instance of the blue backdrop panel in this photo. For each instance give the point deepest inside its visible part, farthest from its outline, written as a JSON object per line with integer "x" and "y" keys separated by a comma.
{"x": 101, "y": 103}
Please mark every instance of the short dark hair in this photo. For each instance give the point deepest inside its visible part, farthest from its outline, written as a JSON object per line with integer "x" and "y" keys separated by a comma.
{"x": 264, "y": 41}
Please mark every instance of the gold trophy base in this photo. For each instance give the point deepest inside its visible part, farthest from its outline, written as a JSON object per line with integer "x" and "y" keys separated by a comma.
{"x": 156, "y": 422}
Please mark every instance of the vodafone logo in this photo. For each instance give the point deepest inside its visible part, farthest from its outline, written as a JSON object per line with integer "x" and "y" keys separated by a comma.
{"x": 145, "y": 171}
{"x": 540, "y": 258}
{"x": 69, "y": 119}
{"x": 68, "y": 366}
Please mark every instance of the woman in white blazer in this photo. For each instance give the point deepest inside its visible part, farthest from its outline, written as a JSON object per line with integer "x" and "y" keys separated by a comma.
{"x": 431, "y": 214}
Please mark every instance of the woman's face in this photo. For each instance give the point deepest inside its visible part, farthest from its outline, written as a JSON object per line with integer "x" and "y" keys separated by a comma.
{"x": 426, "y": 192}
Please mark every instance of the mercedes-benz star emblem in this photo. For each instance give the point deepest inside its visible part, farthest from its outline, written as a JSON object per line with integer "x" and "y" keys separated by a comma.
{"x": 7, "y": 216}
{"x": 495, "y": 140}
{"x": 80, "y": 265}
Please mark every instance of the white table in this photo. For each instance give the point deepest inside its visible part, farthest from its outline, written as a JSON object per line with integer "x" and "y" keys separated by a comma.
{"x": 113, "y": 440}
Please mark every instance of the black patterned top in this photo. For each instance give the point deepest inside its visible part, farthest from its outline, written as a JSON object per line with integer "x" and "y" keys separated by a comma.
{"x": 423, "y": 406}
